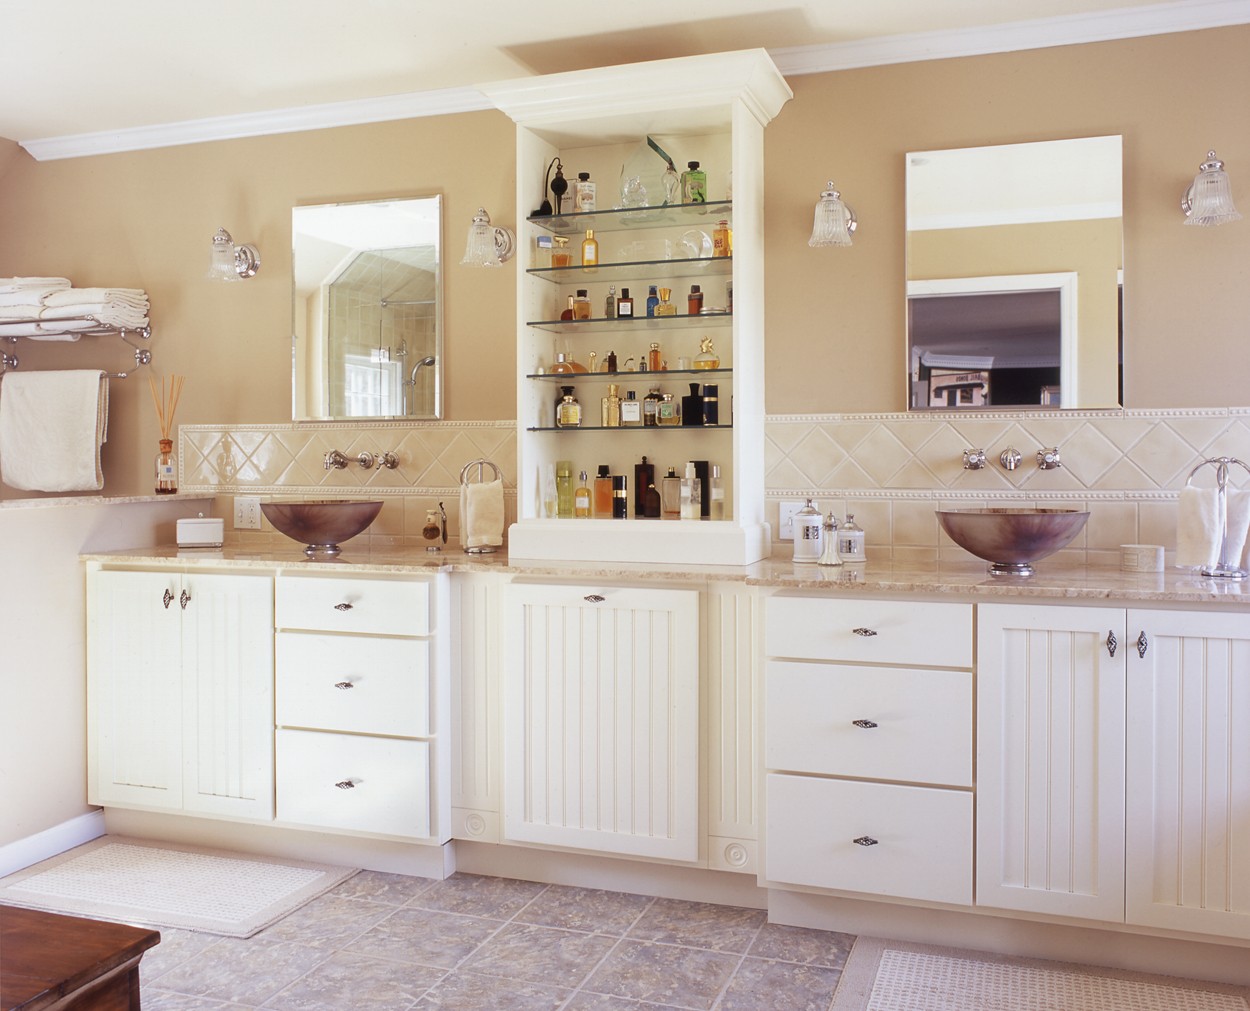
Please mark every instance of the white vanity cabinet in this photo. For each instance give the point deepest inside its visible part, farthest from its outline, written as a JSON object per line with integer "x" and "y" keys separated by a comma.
{"x": 601, "y": 719}
{"x": 868, "y": 746}
{"x": 361, "y": 737}
{"x": 180, "y": 691}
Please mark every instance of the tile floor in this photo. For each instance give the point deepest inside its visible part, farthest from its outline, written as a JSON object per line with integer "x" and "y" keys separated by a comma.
{"x": 387, "y": 941}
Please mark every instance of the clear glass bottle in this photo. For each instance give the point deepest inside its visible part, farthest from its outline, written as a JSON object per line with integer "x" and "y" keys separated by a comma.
{"x": 650, "y": 407}
{"x": 166, "y": 468}
{"x": 667, "y": 413}
{"x": 654, "y": 361}
{"x": 851, "y": 541}
{"x": 716, "y": 499}
{"x": 670, "y": 495}
{"x": 707, "y": 357}
{"x": 653, "y": 300}
{"x": 665, "y": 308}
{"x": 691, "y": 495}
{"x": 672, "y": 184}
{"x": 625, "y": 305}
{"x": 602, "y": 497}
{"x": 611, "y": 408}
{"x": 581, "y": 498}
{"x": 631, "y": 411}
{"x": 548, "y": 491}
{"x": 561, "y": 255}
{"x": 583, "y": 194}
{"x": 569, "y": 410}
{"x": 561, "y": 366}
{"x": 829, "y": 553}
{"x": 694, "y": 301}
{"x": 609, "y": 303}
{"x": 590, "y": 249}
{"x": 564, "y": 489}
{"x": 581, "y": 305}
{"x": 808, "y": 534}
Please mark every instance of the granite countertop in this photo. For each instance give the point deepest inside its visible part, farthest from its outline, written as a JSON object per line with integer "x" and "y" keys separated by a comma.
{"x": 967, "y": 580}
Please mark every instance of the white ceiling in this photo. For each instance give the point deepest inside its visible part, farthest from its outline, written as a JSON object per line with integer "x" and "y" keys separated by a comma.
{"x": 73, "y": 67}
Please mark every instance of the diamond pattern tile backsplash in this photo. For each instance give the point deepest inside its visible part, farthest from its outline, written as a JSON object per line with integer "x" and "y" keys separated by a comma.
{"x": 891, "y": 470}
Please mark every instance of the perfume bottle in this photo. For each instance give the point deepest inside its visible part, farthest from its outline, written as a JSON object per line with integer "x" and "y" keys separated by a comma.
{"x": 722, "y": 239}
{"x": 568, "y": 410}
{"x": 644, "y": 475}
{"x": 694, "y": 301}
{"x": 561, "y": 255}
{"x": 670, "y": 495}
{"x": 602, "y": 492}
{"x": 609, "y": 303}
{"x": 808, "y": 533}
{"x": 561, "y": 366}
{"x": 631, "y": 413}
{"x": 166, "y": 468}
{"x": 829, "y": 533}
{"x": 716, "y": 496}
{"x": 666, "y": 412}
{"x": 692, "y": 407}
{"x": 651, "y": 503}
{"x": 583, "y": 194}
{"x": 581, "y": 305}
{"x": 547, "y": 486}
{"x": 665, "y": 308}
{"x": 581, "y": 498}
{"x": 693, "y": 184}
{"x": 654, "y": 361}
{"x": 564, "y": 489}
{"x": 590, "y": 249}
{"x": 611, "y": 408}
{"x": 567, "y": 313}
{"x": 672, "y": 184}
{"x": 620, "y": 497}
{"x": 691, "y": 495}
{"x": 851, "y": 541}
{"x": 711, "y": 405}
{"x": 653, "y": 300}
{"x": 625, "y": 305}
{"x": 707, "y": 357}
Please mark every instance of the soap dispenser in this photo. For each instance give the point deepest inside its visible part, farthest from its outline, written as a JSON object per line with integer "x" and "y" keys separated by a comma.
{"x": 851, "y": 541}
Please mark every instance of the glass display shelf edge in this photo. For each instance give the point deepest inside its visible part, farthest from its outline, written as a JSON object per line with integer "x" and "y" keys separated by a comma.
{"x": 620, "y": 218}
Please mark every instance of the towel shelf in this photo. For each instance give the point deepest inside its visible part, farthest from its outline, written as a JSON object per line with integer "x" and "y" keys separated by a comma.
{"x": 142, "y": 355}
{"x": 1225, "y": 568}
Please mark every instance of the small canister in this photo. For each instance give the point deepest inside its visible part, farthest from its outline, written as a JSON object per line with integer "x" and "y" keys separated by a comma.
{"x": 808, "y": 535}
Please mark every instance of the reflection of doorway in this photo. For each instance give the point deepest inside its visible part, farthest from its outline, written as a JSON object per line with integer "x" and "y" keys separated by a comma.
{"x": 1018, "y": 329}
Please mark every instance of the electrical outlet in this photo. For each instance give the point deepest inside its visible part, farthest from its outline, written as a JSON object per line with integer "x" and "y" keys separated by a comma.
{"x": 785, "y": 522}
{"x": 247, "y": 512}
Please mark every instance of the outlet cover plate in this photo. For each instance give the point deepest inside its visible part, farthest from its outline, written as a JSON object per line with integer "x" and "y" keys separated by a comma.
{"x": 785, "y": 521}
{"x": 247, "y": 512}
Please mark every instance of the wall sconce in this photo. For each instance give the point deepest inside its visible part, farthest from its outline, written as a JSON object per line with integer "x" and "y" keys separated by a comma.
{"x": 488, "y": 246}
{"x": 1209, "y": 199}
{"x": 835, "y": 221}
{"x": 232, "y": 262}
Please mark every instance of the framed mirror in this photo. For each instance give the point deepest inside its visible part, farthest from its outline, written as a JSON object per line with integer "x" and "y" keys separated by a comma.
{"x": 367, "y": 310}
{"x": 1015, "y": 260}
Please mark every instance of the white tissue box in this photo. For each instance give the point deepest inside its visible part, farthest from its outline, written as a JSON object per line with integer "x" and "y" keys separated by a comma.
{"x": 200, "y": 532}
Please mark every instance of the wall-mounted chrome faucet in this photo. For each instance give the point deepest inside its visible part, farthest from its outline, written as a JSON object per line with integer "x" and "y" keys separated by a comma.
{"x": 974, "y": 459}
{"x": 1048, "y": 459}
{"x": 335, "y": 460}
{"x": 1010, "y": 458}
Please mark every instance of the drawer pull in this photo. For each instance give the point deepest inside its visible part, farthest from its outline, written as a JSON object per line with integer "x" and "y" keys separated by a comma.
{"x": 865, "y": 840}
{"x": 594, "y": 598}
{"x": 184, "y": 599}
{"x": 1142, "y": 644}
{"x": 865, "y": 632}
{"x": 343, "y": 606}
{"x": 167, "y": 599}
{"x": 346, "y": 784}
{"x": 1112, "y": 642}
{"x": 344, "y": 685}
{"x": 864, "y": 724}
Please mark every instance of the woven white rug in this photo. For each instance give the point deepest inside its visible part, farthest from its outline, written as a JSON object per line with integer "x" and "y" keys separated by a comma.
{"x": 883, "y": 976}
{"x": 167, "y": 885}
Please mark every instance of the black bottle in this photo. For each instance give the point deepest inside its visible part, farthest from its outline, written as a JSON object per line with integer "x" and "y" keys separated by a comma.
{"x": 692, "y": 407}
{"x": 620, "y": 497}
{"x": 644, "y": 476}
{"x": 711, "y": 405}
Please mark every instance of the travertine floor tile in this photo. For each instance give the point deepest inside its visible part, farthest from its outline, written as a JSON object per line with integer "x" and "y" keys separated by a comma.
{"x": 780, "y": 986}
{"x": 663, "y": 974}
{"x": 586, "y": 909}
{"x": 351, "y": 982}
{"x": 248, "y": 971}
{"x": 328, "y": 922}
{"x": 802, "y": 944}
{"x": 540, "y": 954}
{"x": 466, "y": 991}
{"x": 476, "y": 895}
{"x": 378, "y": 886}
{"x": 425, "y": 937}
{"x": 699, "y": 925}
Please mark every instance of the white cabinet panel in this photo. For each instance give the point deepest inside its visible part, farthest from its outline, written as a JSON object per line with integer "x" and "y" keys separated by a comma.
{"x": 1188, "y": 838}
{"x": 1050, "y": 760}
{"x": 911, "y": 842}
{"x": 601, "y": 724}
{"x": 870, "y": 722}
{"x": 346, "y": 604}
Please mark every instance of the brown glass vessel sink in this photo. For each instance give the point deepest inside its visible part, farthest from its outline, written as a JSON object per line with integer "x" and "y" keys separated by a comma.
{"x": 321, "y": 524}
{"x": 1011, "y": 539}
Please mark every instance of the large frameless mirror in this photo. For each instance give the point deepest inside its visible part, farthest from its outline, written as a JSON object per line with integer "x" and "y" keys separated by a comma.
{"x": 1015, "y": 259}
{"x": 367, "y": 310}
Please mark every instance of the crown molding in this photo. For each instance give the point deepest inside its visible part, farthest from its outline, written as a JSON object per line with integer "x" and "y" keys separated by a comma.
{"x": 1129, "y": 22}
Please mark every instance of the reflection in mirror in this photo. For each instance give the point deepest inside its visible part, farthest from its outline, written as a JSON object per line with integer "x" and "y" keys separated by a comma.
{"x": 1015, "y": 275}
{"x": 367, "y": 310}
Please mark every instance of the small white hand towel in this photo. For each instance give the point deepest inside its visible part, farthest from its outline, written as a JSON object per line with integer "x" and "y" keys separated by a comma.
{"x": 10, "y": 284}
{"x": 1200, "y": 528}
{"x": 1238, "y": 525}
{"x": 41, "y": 331}
{"x": 118, "y": 296}
{"x": 52, "y": 425}
{"x": 24, "y": 296}
{"x": 481, "y": 514}
{"x": 23, "y": 310}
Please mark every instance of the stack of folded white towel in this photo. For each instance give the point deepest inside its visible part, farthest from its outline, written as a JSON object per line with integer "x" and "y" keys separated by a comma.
{"x": 49, "y": 308}
{"x": 1200, "y": 526}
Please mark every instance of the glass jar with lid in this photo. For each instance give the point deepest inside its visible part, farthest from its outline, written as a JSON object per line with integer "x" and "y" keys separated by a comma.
{"x": 851, "y": 541}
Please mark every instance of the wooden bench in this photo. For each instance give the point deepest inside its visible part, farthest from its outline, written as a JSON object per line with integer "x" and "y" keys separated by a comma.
{"x": 49, "y": 961}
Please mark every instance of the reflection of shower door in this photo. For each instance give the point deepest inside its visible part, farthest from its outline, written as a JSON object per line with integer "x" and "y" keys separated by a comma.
{"x": 371, "y": 389}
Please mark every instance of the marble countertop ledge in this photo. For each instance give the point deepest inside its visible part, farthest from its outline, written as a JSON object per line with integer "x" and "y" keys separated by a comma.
{"x": 967, "y": 580}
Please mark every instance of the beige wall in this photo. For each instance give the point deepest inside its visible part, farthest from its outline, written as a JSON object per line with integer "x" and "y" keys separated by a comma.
{"x": 145, "y": 218}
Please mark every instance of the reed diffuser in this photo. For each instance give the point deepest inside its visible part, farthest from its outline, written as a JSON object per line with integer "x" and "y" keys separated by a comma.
{"x": 166, "y": 403}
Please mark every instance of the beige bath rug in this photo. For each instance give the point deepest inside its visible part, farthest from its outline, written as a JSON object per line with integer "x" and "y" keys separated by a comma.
{"x": 895, "y": 976}
{"x": 168, "y": 885}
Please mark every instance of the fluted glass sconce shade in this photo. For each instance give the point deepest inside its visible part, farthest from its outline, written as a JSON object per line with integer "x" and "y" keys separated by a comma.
{"x": 835, "y": 221}
{"x": 232, "y": 262}
{"x": 488, "y": 246}
{"x": 1209, "y": 199}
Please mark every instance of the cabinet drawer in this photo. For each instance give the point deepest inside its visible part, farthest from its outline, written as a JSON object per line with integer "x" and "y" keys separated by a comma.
{"x": 376, "y": 606}
{"x": 923, "y": 836}
{"x": 353, "y": 683}
{"x": 390, "y": 783}
{"x": 923, "y": 718}
{"x": 869, "y": 631}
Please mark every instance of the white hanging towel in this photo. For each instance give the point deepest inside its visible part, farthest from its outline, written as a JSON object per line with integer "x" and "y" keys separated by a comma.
{"x": 481, "y": 514}
{"x": 52, "y": 425}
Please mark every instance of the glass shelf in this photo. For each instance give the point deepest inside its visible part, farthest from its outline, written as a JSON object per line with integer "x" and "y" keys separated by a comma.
{"x": 632, "y": 270}
{"x": 569, "y": 378}
{"x": 633, "y": 217}
{"x": 603, "y": 325}
{"x": 633, "y": 428}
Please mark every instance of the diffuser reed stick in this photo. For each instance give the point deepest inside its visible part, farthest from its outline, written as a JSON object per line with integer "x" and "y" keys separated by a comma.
{"x": 166, "y": 402}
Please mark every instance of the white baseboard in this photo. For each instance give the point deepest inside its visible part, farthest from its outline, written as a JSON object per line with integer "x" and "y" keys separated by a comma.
{"x": 16, "y": 856}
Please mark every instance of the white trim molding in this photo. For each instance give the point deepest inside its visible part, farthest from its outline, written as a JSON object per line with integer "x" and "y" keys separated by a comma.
{"x": 23, "y": 853}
